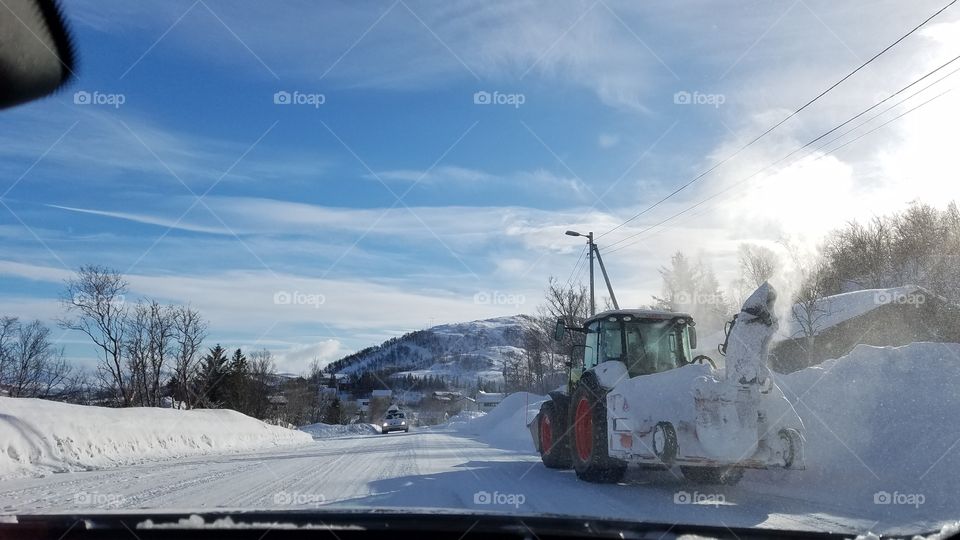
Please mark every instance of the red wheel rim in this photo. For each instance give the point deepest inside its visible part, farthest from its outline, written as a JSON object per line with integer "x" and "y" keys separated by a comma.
{"x": 546, "y": 434}
{"x": 583, "y": 429}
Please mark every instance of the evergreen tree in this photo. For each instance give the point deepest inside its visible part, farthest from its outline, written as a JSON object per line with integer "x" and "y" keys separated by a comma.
{"x": 237, "y": 384}
{"x": 211, "y": 382}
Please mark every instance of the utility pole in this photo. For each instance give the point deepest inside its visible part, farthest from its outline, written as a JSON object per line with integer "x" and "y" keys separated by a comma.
{"x": 593, "y": 250}
{"x": 591, "y": 246}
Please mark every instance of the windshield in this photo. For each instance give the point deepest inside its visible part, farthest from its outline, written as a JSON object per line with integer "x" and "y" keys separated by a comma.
{"x": 680, "y": 261}
{"x": 644, "y": 346}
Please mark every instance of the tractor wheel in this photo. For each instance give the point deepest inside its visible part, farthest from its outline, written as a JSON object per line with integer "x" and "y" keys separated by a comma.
{"x": 554, "y": 438}
{"x": 588, "y": 447}
{"x": 728, "y": 476}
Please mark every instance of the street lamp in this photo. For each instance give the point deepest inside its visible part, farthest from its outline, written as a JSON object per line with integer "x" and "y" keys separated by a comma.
{"x": 592, "y": 247}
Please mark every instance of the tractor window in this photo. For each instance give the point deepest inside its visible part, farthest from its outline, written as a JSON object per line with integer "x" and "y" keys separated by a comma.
{"x": 590, "y": 347}
{"x": 611, "y": 342}
{"x": 662, "y": 346}
{"x": 637, "y": 360}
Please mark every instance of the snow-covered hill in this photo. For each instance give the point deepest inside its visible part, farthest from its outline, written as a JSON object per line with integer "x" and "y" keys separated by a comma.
{"x": 464, "y": 351}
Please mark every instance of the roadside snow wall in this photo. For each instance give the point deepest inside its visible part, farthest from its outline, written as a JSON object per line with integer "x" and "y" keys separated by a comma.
{"x": 506, "y": 425}
{"x": 39, "y": 436}
{"x": 326, "y": 431}
{"x": 880, "y": 420}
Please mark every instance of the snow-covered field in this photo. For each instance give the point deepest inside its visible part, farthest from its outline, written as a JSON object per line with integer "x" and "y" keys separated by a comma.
{"x": 39, "y": 436}
{"x": 882, "y": 428}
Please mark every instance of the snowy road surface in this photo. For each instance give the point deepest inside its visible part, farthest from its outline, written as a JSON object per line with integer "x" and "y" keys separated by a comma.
{"x": 418, "y": 469}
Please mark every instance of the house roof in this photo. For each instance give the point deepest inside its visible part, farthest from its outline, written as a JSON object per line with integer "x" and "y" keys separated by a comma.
{"x": 489, "y": 397}
{"x": 830, "y": 311}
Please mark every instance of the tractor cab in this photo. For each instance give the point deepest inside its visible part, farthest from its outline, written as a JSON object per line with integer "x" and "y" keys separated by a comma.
{"x": 646, "y": 341}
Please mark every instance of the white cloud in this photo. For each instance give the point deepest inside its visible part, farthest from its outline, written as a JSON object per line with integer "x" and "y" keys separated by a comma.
{"x": 295, "y": 359}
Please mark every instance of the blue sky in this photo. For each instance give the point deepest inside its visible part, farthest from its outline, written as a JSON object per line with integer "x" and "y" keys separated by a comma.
{"x": 399, "y": 200}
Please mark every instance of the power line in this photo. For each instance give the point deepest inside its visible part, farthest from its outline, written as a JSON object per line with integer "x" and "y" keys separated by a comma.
{"x": 579, "y": 273}
{"x": 575, "y": 266}
{"x": 780, "y": 123}
{"x": 715, "y": 195}
{"x": 831, "y": 130}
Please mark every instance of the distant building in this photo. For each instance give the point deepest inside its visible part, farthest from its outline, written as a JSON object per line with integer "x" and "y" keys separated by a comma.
{"x": 880, "y": 317}
{"x": 363, "y": 404}
{"x": 486, "y": 401}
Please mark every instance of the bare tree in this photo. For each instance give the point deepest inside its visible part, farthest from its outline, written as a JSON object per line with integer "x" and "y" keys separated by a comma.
{"x": 8, "y": 326}
{"x": 757, "y": 265}
{"x": 94, "y": 301}
{"x": 149, "y": 346}
{"x": 809, "y": 311}
{"x": 33, "y": 365}
{"x": 262, "y": 373}
{"x": 188, "y": 332}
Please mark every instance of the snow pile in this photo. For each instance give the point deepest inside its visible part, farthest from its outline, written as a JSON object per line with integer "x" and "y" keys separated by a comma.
{"x": 39, "y": 436}
{"x": 506, "y": 425}
{"x": 325, "y": 431}
{"x": 880, "y": 420}
{"x": 460, "y": 419}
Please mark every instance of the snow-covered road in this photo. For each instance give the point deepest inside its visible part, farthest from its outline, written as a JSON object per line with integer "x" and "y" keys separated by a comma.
{"x": 420, "y": 469}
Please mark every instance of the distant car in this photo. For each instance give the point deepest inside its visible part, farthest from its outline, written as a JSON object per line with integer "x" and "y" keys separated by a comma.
{"x": 394, "y": 421}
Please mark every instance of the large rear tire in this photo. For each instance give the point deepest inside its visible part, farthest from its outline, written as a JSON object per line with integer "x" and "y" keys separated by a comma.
{"x": 554, "y": 437}
{"x": 727, "y": 476}
{"x": 589, "y": 449}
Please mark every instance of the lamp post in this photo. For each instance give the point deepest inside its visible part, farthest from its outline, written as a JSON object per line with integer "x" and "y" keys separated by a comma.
{"x": 592, "y": 247}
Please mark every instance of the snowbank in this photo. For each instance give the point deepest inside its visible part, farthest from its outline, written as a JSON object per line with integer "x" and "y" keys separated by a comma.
{"x": 880, "y": 420}
{"x": 39, "y": 436}
{"x": 325, "y": 431}
{"x": 460, "y": 419}
{"x": 506, "y": 425}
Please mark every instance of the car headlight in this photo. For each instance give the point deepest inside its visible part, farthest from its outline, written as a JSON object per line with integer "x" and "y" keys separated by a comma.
{"x": 384, "y": 424}
{"x": 403, "y": 423}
